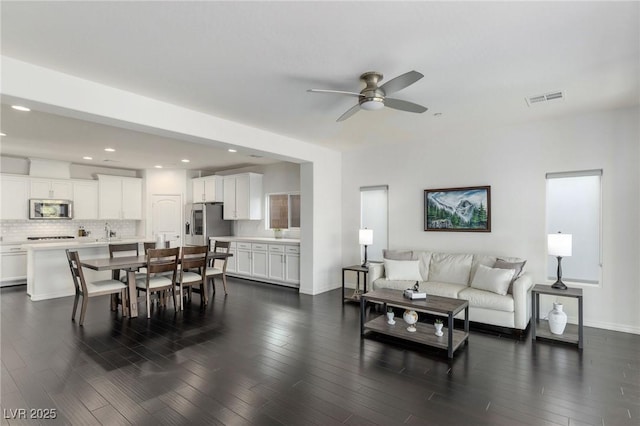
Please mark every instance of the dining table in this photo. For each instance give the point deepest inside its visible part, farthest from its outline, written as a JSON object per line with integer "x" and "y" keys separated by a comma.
{"x": 131, "y": 264}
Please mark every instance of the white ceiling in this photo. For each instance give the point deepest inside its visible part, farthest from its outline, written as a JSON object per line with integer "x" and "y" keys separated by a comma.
{"x": 252, "y": 62}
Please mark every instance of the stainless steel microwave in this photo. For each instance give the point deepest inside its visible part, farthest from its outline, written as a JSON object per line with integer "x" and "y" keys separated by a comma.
{"x": 50, "y": 209}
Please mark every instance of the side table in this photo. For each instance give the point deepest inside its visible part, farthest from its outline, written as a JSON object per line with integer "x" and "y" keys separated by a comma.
{"x": 572, "y": 333}
{"x": 358, "y": 269}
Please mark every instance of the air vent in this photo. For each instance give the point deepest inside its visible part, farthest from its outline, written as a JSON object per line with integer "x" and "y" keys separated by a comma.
{"x": 547, "y": 97}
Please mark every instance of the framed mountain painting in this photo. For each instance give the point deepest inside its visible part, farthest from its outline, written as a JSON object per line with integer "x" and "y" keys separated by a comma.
{"x": 458, "y": 209}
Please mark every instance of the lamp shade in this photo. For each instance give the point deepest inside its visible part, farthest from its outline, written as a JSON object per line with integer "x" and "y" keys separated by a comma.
{"x": 559, "y": 244}
{"x": 366, "y": 237}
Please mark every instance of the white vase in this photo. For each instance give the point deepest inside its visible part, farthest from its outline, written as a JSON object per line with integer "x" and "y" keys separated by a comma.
{"x": 410, "y": 317}
{"x": 390, "y": 316}
{"x": 438, "y": 327}
{"x": 557, "y": 319}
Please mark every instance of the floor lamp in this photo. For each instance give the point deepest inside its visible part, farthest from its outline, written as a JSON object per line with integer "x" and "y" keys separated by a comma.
{"x": 559, "y": 245}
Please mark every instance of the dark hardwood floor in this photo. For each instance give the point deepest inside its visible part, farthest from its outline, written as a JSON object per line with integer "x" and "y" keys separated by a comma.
{"x": 265, "y": 355}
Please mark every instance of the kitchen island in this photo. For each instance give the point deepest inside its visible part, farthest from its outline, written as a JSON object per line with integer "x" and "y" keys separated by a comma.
{"x": 48, "y": 274}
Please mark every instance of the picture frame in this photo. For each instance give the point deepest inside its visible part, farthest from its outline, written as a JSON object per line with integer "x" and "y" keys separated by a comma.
{"x": 465, "y": 209}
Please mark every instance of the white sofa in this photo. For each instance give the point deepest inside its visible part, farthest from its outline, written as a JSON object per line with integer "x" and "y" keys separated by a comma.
{"x": 498, "y": 289}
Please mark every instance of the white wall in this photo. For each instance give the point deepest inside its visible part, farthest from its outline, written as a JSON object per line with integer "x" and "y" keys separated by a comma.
{"x": 514, "y": 160}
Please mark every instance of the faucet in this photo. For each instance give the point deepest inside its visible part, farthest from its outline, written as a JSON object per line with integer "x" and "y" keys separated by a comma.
{"x": 107, "y": 230}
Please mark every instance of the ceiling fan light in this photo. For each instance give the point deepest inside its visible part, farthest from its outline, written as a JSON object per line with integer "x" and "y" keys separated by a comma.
{"x": 372, "y": 104}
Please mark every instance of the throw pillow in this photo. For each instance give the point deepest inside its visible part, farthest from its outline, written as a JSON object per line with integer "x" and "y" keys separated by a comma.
{"x": 398, "y": 270}
{"x": 516, "y": 266}
{"x": 493, "y": 279}
{"x": 397, "y": 254}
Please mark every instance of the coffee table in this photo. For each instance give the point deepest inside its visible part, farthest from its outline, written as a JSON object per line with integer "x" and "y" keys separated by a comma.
{"x": 451, "y": 340}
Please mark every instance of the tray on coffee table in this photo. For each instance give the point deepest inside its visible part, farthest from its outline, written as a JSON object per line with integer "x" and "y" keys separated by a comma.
{"x": 450, "y": 340}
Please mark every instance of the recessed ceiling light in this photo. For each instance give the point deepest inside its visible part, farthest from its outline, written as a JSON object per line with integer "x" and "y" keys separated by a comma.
{"x": 87, "y": 158}
{"x": 233, "y": 150}
{"x": 158, "y": 166}
{"x": 110, "y": 150}
{"x": 185, "y": 160}
{"x": 3, "y": 134}
{"x": 20, "y": 108}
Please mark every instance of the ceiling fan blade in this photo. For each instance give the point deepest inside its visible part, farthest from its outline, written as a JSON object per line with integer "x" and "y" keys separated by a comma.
{"x": 401, "y": 81}
{"x": 404, "y": 105}
{"x": 340, "y": 92}
{"x": 349, "y": 112}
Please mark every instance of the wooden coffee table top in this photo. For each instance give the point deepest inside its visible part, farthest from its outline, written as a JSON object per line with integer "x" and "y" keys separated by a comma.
{"x": 438, "y": 304}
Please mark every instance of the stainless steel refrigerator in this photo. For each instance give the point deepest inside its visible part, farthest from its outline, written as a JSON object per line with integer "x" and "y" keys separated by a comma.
{"x": 204, "y": 220}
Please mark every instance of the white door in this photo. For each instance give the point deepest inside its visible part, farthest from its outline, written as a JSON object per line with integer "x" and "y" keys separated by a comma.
{"x": 166, "y": 218}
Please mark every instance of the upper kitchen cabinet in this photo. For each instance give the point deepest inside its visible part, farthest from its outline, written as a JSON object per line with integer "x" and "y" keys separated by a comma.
{"x": 85, "y": 199}
{"x": 243, "y": 196}
{"x": 51, "y": 188}
{"x": 207, "y": 189}
{"x": 15, "y": 197}
{"x": 119, "y": 197}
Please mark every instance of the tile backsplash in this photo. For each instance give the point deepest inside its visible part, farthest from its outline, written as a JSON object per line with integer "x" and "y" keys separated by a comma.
{"x": 17, "y": 230}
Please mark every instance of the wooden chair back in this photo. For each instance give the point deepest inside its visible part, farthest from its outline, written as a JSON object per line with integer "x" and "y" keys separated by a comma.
{"x": 76, "y": 272}
{"x": 221, "y": 247}
{"x": 163, "y": 260}
{"x": 129, "y": 249}
{"x": 194, "y": 257}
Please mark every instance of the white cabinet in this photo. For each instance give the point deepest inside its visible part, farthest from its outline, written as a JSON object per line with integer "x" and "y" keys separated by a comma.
{"x": 119, "y": 197}
{"x": 292, "y": 264}
{"x": 85, "y": 199}
{"x": 242, "y": 196}
{"x": 15, "y": 197}
{"x": 276, "y": 262}
{"x": 51, "y": 188}
{"x": 13, "y": 267}
{"x": 259, "y": 267}
{"x": 244, "y": 258}
{"x": 207, "y": 189}
{"x": 272, "y": 262}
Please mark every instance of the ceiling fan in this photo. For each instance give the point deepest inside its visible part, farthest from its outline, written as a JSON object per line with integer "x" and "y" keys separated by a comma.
{"x": 374, "y": 97}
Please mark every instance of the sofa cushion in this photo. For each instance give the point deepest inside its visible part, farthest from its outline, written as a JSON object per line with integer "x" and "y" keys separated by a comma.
{"x": 425, "y": 259}
{"x": 436, "y": 288}
{"x": 493, "y": 279}
{"x": 398, "y": 254}
{"x": 402, "y": 270}
{"x": 381, "y": 283}
{"x": 517, "y": 266}
{"x": 486, "y": 299}
{"x": 450, "y": 268}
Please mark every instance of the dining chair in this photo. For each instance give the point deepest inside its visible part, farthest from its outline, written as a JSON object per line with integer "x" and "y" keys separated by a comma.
{"x": 219, "y": 266}
{"x": 91, "y": 289}
{"x": 160, "y": 275}
{"x": 193, "y": 264}
{"x": 116, "y": 250}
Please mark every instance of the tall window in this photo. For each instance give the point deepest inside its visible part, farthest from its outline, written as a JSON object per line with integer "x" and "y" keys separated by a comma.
{"x": 283, "y": 210}
{"x": 573, "y": 207}
{"x": 374, "y": 214}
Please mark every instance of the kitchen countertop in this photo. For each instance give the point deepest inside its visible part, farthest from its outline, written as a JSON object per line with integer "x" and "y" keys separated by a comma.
{"x": 259, "y": 239}
{"x": 79, "y": 242}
